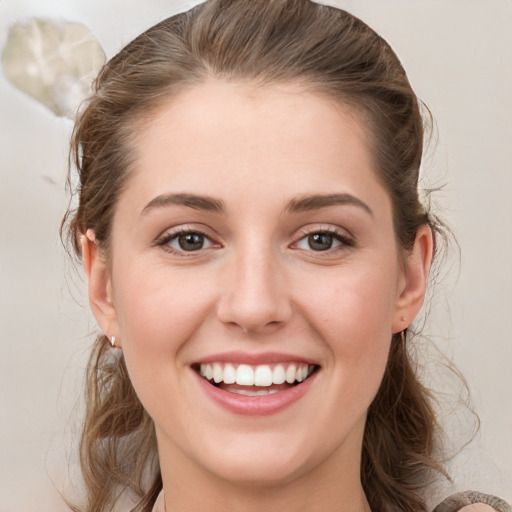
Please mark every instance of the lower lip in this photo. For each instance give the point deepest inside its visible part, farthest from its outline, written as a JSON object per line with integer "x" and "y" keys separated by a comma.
{"x": 258, "y": 405}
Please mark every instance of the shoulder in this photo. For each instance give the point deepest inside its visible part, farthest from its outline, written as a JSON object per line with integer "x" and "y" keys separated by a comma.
{"x": 471, "y": 501}
{"x": 477, "y": 507}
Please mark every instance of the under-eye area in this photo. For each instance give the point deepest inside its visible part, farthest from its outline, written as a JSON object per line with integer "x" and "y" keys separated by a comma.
{"x": 255, "y": 380}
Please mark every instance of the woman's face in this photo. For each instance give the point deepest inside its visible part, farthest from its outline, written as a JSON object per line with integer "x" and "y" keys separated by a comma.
{"x": 254, "y": 243}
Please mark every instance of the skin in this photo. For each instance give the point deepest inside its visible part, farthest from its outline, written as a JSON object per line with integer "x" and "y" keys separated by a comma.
{"x": 257, "y": 286}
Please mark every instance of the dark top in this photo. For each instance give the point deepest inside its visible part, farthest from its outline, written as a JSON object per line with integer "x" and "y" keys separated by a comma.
{"x": 456, "y": 501}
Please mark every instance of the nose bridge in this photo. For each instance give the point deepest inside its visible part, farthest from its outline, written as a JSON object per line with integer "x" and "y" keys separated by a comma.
{"x": 255, "y": 297}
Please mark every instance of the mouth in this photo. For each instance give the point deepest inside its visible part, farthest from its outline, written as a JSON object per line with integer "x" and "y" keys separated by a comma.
{"x": 255, "y": 380}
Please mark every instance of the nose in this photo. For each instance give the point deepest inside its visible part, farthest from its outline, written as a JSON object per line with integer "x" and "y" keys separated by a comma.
{"x": 254, "y": 295}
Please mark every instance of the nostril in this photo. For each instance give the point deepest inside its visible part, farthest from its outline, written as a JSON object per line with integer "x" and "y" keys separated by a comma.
{"x": 256, "y": 303}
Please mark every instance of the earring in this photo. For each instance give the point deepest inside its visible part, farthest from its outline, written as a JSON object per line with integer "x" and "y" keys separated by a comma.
{"x": 113, "y": 341}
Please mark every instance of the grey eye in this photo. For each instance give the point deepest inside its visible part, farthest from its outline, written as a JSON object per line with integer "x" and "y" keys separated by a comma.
{"x": 190, "y": 241}
{"x": 186, "y": 241}
{"x": 320, "y": 241}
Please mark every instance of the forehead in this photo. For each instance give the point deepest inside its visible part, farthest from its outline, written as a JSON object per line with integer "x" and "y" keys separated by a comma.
{"x": 229, "y": 135}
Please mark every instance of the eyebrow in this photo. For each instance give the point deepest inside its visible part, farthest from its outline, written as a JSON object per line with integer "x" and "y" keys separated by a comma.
{"x": 318, "y": 201}
{"x": 211, "y": 204}
{"x": 197, "y": 202}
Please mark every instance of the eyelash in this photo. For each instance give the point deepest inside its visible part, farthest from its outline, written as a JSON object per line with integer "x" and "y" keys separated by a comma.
{"x": 167, "y": 237}
{"x": 344, "y": 240}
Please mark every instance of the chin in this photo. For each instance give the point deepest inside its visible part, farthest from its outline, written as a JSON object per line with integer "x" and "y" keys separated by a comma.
{"x": 259, "y": 473}
{"x": 265, "y": 460}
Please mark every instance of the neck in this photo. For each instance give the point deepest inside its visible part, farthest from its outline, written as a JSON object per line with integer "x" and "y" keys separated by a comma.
{"x": 269, "y": 499}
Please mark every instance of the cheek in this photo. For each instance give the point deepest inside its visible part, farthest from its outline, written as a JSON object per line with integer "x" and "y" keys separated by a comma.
{"x": 354, "y": 306}
{"x": 158, "y": 313}
{"x": 353, "y": 315}
{"x": 156, "y": 322}
{"x": 158, "y": 305}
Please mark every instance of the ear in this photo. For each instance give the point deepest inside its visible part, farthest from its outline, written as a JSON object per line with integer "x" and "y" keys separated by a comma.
{"x": 413, "y": 283}
{"x": 99, "y": 285}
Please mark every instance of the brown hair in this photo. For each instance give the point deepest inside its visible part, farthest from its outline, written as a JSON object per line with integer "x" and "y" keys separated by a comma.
{"x": 262, "y": 41}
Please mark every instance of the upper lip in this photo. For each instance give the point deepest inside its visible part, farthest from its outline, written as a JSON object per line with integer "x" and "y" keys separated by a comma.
{"x": 255, "y": 359}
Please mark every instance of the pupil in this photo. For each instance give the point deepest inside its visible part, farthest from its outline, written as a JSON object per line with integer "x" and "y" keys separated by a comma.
{"x": 191, "y": 241}
{"x": 320, "y": 241}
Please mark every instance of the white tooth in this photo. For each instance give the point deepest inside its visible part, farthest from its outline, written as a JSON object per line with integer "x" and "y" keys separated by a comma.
{"x": 248, "y": 392}
{"x": 261, "y": 392}
{"x": 278, "y": 375}
{"x": 245, "y": 375}
{"x": 229, "y": 374}
{"x": 290, "y": 374}
{"x": 244, "y": 392}
{"x": 218, "y": 374}
{"x": 240, "y": 392}
{"x": 302, "y": 373}
{"x": 263, "y": 376}
{"x": 202, "y": 370}
{"x": 299, "y": 375}
{"x": 209, "y": 372}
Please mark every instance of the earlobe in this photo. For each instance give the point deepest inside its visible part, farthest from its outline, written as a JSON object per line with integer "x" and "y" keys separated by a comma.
{"x": 99, "y": 285}
{"x": 413, "y": 288}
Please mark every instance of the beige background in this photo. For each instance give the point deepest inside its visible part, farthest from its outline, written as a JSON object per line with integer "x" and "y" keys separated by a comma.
{"x": 458, "y": 54}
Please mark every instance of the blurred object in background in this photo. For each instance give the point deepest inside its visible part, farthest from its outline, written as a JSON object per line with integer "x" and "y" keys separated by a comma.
{"x": 55, "y": 62}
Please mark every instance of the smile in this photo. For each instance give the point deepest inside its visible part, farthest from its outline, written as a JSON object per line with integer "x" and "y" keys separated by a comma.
{"x": 255, "y": 389}
{"x": 260, "y": 375}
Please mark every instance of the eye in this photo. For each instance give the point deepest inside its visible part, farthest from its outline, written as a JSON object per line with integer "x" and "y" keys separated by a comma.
{"x": 186, "y": 241}
{"x": 322, "y": 241}
{"x": 191, "y": 241}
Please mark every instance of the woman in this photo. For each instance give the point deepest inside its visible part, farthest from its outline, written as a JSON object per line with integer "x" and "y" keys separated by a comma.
{"x": 256, "y": 252}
